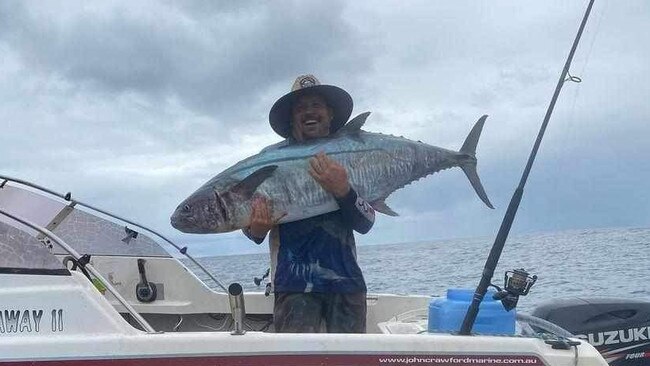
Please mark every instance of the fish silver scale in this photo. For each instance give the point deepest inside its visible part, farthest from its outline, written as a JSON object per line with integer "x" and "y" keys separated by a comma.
{"x": 383, "y": 166}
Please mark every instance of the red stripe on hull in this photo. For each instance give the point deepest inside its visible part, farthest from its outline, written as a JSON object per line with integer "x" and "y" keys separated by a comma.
{"x": 302, "y": 360}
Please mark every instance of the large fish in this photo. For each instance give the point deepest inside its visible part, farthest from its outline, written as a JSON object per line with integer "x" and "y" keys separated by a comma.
{"x": 377, "y": 165}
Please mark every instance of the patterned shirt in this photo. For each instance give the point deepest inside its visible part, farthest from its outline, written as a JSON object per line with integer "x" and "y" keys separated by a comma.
{"x": 318, "y": 254}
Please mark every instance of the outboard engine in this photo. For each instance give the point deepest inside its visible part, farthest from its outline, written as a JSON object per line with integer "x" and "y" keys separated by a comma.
{"x": 618, "y": 328}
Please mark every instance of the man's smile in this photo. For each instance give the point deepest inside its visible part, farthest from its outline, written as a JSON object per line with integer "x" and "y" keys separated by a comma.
{"x": 310, "y": 122}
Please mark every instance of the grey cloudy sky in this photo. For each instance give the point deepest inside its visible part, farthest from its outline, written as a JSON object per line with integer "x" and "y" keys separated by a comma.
{"x": 133, "y": 105}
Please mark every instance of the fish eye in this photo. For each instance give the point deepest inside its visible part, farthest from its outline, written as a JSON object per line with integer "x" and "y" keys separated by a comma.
{"x": 186, "y": 208}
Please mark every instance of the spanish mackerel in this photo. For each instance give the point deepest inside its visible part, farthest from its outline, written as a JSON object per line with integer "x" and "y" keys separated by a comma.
{"x": 377, "y": 165}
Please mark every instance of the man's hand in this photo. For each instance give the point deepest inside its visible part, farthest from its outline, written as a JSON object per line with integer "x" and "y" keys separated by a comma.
{"x": 330, "y": 175}
{"x": 261, "y": 219}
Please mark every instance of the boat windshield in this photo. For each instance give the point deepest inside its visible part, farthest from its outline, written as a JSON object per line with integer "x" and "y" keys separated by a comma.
{"x": 85, "y": 232}
{"x": 21, "y": 253}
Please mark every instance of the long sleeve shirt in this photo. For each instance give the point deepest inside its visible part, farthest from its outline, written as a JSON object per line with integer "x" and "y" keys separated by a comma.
{"x": 318, "y": 254}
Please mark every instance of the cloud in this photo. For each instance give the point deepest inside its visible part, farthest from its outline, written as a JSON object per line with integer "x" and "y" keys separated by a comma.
{"x": 212, "y": 58}
{"x": 132, "y": 106}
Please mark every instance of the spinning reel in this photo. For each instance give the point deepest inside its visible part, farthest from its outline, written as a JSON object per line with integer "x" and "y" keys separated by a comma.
{"x": 516, "y": 283}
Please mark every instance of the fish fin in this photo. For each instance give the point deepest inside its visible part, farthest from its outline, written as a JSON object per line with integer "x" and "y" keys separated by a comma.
{"x": 355, "y": 124}
{"x": 381, "y": 206}
{"x": 469, "y": 148}
{"x": 249, "y": 184}
{"x": 472, "y": 175}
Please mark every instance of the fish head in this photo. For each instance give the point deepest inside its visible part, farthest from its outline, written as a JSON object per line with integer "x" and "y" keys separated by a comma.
{"x": 217, "y": 207}
{"x": 203, "y": 212}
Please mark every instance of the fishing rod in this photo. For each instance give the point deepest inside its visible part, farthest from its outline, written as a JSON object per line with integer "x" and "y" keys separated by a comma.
{"x": 502, "y": 235}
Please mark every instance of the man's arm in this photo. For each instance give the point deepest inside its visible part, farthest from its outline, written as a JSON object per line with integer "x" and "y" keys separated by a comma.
{"x": 334, "y": 179}
{"x": 261, "y": 220}
{"x": 356, "y": 211}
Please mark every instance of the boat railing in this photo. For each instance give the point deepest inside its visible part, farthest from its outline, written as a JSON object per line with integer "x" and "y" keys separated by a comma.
{"x": 109, "y": 287}
{"x": 71, "y": 202}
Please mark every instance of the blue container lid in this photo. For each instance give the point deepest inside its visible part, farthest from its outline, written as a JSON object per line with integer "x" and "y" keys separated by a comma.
{"x": 466, "y": 295}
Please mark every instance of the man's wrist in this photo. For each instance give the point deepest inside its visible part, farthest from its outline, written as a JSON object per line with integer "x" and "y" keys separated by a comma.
{"x": 342, "y": 193}
{"x": 254, "y": 233}
{"x": 348, "y": 199}
{"x": 258, "y": 235}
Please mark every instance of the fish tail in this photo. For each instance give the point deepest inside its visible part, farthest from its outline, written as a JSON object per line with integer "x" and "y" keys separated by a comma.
{"x": 469, "y": 167}
{"x": 469, "y": 146}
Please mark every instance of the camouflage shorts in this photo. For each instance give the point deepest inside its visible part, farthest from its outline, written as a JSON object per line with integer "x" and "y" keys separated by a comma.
{"x": 318, "y": 312}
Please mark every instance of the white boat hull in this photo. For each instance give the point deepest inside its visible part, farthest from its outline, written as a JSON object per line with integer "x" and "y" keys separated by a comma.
{"x": 77, "y": 325}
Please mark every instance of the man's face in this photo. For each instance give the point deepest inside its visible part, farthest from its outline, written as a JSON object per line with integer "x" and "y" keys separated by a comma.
{"x": 311, "y": 117}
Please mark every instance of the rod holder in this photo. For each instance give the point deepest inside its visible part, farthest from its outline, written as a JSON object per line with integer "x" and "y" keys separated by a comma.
{"x": 236, "y": 297}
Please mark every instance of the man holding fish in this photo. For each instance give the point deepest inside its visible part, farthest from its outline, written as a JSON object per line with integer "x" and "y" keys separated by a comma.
{"x": 314, "y": 271}
{"x": 316, "y": 201}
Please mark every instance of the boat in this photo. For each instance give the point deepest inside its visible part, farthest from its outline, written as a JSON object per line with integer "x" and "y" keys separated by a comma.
{"x": 79, "y": 285}
{"x": 82, "y": 286}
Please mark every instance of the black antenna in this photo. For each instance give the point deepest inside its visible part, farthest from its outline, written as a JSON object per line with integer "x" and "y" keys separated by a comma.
{"x": 502, "y": 235}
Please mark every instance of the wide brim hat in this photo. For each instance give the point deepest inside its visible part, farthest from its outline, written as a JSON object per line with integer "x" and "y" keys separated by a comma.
{"x": 337, "y": 99}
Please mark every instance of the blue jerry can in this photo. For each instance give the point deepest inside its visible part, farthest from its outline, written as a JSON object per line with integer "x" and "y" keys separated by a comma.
{"x": 446, "y": 314}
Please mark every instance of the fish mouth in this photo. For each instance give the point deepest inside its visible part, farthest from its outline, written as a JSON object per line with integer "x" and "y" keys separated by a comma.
{"x": 188, "y": 225}
{"x": 182, "y": 221}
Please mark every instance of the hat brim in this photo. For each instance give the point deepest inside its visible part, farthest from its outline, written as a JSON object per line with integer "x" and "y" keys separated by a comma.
{"x": 338, "y": 99}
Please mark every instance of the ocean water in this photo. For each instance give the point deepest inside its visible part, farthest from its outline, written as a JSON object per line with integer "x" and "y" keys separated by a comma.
{"x": 585, "y": 263}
